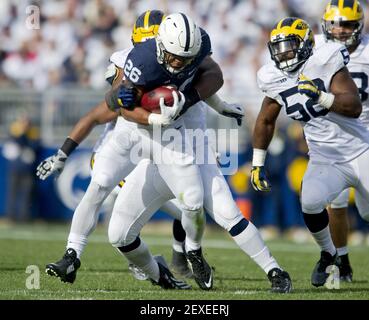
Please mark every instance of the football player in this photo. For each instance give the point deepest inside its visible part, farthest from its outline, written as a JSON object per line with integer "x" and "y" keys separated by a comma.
{"x": 78, "y": 241}
{"x": 136, "y": 204}
{"x": 145, "y": 27}
{"x": 314, "y": 86}
{"x": 179, "y": 52}
{"x": 343, "y": 23}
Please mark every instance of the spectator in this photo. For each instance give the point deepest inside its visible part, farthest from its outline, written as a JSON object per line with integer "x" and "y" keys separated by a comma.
{"x": 21, "y": 152}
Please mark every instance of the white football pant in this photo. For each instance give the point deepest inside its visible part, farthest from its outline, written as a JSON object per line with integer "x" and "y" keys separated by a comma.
{"x": 141, "y": 197}
{"x": 323, "y": 183}
{"x": 114, "y": 161}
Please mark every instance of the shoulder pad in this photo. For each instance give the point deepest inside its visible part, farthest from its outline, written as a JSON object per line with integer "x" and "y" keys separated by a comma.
{"x": 269, "y": 80}
{"x": 206, "y": 43}
{"x": 320, "y": 40}
{"x": 330, "y": 52}
{"x": 362, "y": 51}
{"x": 119, "y": 57}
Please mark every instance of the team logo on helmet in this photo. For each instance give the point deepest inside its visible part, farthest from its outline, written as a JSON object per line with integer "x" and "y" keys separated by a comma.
{"x": 343, "y": 22}
{"x": 147, "y": 26}
{"x": 291, "y": 43}
{"x": 178, "y": 42}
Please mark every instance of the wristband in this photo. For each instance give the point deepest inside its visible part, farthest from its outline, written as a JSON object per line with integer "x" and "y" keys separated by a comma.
{"x": 258, "y": 157}
{"x": 68, "y": 146}
{"x": 326, "y": 99}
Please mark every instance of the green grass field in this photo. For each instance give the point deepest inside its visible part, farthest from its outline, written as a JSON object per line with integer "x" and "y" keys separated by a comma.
{"x": 104, "y": 274}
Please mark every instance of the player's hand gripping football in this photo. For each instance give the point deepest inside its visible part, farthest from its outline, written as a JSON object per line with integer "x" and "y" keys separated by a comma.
{"x": 259, "y": 180}
{"x": 174, "y": 110}
{"x": 52, "y": 165}
{"x": 168, "y": 113}
{"x": 308, "y": 87}
{"x": 233, "y": 110}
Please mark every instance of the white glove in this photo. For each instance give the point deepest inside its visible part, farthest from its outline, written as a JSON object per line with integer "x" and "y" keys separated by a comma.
{"x": 174, "y": 110}
{"x": 159, "y": 120}
{"x": 231, "y": 110}
{"x": 52, "y": 165}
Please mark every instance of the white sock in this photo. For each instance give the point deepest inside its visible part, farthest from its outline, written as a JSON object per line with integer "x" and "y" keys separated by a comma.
{"x": 342, "y": 251}
{"x": 193, "y": 223}
{"x": 177, "y": 246}
{"x": 77, "y": 242}
{"x": 251, "y": 242}
{"x": 142, "y": 258}
{"x": 324, "y": 240}
{"x": 85, "y": 216}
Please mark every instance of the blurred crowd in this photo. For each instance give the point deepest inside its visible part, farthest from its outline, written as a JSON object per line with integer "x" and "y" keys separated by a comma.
{"x": 75, "y": 38}
{"x": 67, "y": 43}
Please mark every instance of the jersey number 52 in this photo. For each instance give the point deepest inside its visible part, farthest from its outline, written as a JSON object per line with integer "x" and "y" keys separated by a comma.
{"x": 303, "y": 112}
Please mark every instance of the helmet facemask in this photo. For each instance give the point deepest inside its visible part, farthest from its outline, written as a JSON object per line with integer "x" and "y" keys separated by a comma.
{"x": 178, "y": 42}
{"x": 347, "y": 38}
{"x": 290, "y": 52}
{"x": 167, "y": 58}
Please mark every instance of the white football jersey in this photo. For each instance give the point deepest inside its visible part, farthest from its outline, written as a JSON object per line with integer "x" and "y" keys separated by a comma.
{"x": 117, "y": 59}
{"x": 331, "y": 138}
{"x": 359, "y": 70}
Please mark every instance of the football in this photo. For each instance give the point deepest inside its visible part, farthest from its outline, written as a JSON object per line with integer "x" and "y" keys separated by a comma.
{"x": 150, "y": 100}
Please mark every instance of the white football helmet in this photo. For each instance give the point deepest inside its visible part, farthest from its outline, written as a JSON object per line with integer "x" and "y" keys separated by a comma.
{"x": 178, "y": 38}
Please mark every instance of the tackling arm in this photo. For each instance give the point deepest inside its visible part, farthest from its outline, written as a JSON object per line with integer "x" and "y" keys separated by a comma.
{"x": 135, "y": 113}
{"x": 98, "y": 115}
{"x": 101, "y": 114}
{"x": 209, "y": 78}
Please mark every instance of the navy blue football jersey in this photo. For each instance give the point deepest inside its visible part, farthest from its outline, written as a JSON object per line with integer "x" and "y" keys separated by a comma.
{"x": 143, "y": 69}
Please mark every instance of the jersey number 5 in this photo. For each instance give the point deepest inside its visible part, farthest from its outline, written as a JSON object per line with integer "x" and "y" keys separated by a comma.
{"x": 131, "y": 72}
{"x": 301, "y": 112}
{"x": 363, "y": 78}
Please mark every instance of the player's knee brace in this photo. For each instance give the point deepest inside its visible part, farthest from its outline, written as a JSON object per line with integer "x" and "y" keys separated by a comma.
{"x": 313, "y": 201}
{"x": 117, "y": 240}
{"x": 96, "y": 193}
{"x": 192, "y": 199}
{"x": 121, "y": 236}
{"x": 104, "y": 180}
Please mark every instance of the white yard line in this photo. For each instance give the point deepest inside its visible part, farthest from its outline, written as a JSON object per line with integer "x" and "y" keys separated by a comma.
{"x": 157, "y": 241}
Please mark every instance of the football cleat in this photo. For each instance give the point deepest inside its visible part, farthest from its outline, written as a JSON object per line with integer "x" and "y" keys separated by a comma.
{"x": 281, "y": 281}
{"x": 320, "y": 273}
{"x": 137, "y": 273}
{"x": 179, "y": 264}
{"x": 66, "y": 268}
{"x": 167, "y": 280}
{"x": 344, "y": 268}
{"x": 202, "y": 272}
